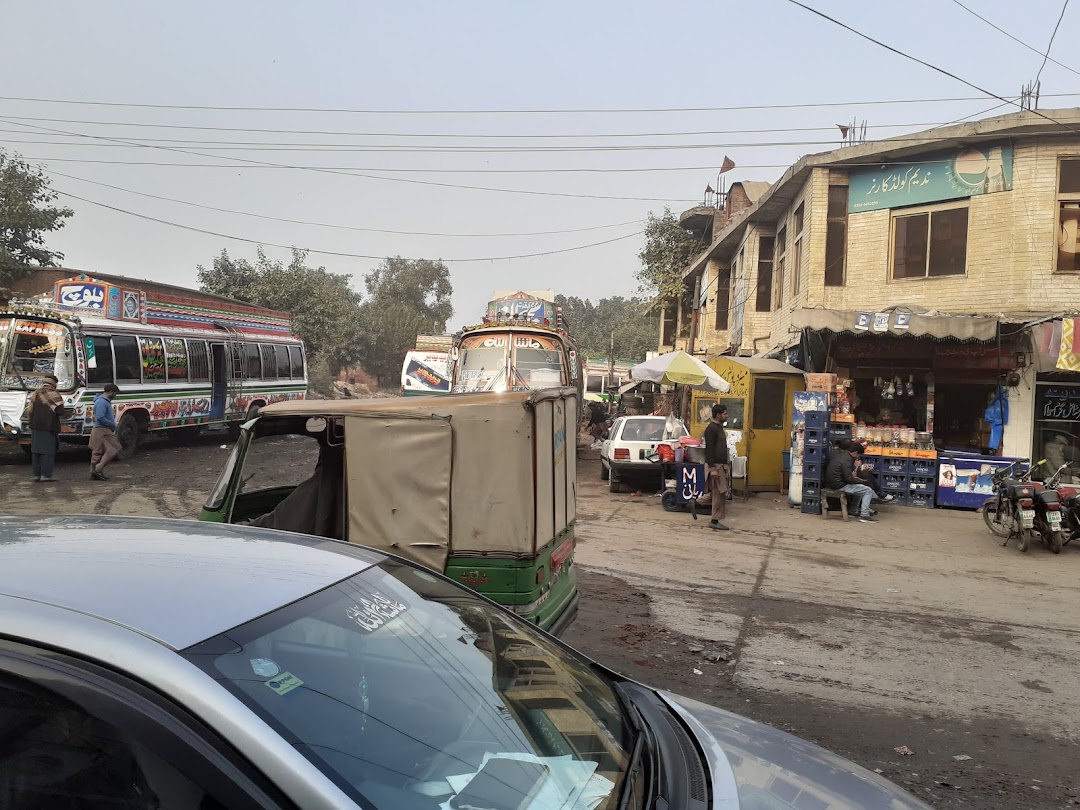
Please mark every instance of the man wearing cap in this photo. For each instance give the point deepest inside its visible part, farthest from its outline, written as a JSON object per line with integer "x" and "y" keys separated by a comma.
{"x": 716, "y": 458}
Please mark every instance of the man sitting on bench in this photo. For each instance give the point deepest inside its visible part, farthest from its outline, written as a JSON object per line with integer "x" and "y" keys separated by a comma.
{"x": 840, "y": 476}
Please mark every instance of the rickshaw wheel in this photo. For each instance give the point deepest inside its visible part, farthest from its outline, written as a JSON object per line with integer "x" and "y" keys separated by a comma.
{"x": 669, "y": 501}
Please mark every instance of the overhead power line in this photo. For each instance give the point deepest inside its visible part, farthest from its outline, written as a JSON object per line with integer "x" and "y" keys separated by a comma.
{"x": 1013, "y": 37}
{"x": 341, "y": 254}
{"x": 335, "y": 226}
{"x": 583, "y": 111}
{"x": 1050, "y": 44}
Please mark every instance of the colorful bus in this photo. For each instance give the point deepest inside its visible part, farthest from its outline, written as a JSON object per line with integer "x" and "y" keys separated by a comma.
{"x": 426, "y": 369}
{"x": 182, "y": 362}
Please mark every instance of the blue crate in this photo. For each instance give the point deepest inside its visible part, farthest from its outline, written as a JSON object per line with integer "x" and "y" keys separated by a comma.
{"x": 873, "y": 462}
{"x": 921, "y": 500}
{"x": 813, "y": 453}
{"x": 895, "y": 466}
{"x": 922, "y": 466}
{"x": 815, "y": 437}
{"x": 894, "y": 483}
{"x": 811, "y": 489}
{"x": 922, "y": 483}
{"x": 811, "y": 506}
{"x": 840, "y": 430}
{"x": 816, "y": 419}
{"x": 812, "y": 470}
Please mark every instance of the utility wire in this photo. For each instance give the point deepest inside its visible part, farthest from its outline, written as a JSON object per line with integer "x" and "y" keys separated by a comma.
{"x": 924, "y": 63}
{"x": 333, "y": 252}
{"x": 1050, "y": 45}
{"x": 1014, "y": 38}
{"x": 339, "y": 227}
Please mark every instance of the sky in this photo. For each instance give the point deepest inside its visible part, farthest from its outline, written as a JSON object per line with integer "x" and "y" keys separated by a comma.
{"x": 374, "y": 87}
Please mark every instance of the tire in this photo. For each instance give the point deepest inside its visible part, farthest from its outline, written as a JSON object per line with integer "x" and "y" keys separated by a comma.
{"x": 1023, "y": 539}
{"x": 127, "y": 433}
{"x": 605, "y": 473}
{"x": 669, "y": 501}
{"x": 1002, "y": 527}
{"x": 613, "y": 484}
{"x": 252, "y": 411}
{"x": 1054, "y": 542}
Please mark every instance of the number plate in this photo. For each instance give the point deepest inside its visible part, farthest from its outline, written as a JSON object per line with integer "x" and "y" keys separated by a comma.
{"x": 1027, "y": 518}
{"x": 1054, "y": 518}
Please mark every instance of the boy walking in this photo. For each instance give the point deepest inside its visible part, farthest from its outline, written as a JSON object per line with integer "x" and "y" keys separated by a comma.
{"x": 104, "y": 446}
{"x": 716, "y": 458}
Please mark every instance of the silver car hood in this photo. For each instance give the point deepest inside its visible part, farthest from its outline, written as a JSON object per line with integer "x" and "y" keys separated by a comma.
{"x": 758, "y": 767}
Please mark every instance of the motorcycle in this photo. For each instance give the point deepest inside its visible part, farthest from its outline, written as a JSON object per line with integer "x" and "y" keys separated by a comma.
{"x": 1058, "y": 518}
{"x": 1011, "y": 512}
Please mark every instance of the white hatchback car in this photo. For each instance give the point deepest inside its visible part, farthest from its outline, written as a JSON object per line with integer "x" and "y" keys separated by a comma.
{"x": 628, "y": 450}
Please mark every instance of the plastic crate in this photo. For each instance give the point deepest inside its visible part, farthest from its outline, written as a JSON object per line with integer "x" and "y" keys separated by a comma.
{"x": 894, "y": 483}
{"x": 814, "y": 437}
{"x": 813, "y": 453}
{"x": 873, "y": 462}
{"x": 839, "y": 430}
{"x": 816, "y": 419}
{"x": 922, "y": 483}
{"x": 811, "y": 506}
{"x": 811, "y": 489}
{"x": 894, "y": 466}
{"x": 922, "y": 466}
{"x": 812, "y": 471}
{"x": 922, "y": 500}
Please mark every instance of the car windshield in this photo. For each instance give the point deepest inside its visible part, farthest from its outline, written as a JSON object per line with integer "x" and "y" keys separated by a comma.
{"x": 409, "y": 692}
{"x": 31, "y": 349}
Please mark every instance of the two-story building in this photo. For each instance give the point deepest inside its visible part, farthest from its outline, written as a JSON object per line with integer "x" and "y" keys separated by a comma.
{"x": 928, "y": 269}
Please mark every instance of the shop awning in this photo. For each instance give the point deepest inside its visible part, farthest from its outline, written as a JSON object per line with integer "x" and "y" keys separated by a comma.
{"x": 898, "y": 322}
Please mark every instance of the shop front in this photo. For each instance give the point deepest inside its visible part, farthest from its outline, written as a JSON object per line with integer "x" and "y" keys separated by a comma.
{"x": 759, "y": 413}
{"x": 1056, "y": 417}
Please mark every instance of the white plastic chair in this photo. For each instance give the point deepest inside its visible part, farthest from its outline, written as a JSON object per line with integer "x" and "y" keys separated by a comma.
{"x": 738, "y": 471}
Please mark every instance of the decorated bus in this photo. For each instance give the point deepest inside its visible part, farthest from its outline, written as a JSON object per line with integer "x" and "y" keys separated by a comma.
{"x": 522, "y": 345}
{"x": 426, "y": 369}
{"x": 183, "y": 360}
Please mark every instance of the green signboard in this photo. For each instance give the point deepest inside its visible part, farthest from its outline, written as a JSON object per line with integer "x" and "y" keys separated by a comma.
{"x": 965, "y": 172}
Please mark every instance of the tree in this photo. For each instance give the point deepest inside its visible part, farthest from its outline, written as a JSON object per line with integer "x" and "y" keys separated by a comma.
{"x": 668, "y": 251}
{"x": 325, "y": 309}
{"x": 26, "y": 216}
{"x": 406, "y": 297}
{"x": 625, "y": 320}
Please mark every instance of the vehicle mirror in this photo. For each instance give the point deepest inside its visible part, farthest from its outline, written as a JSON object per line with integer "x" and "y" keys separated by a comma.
{"x": 315, "y": 424}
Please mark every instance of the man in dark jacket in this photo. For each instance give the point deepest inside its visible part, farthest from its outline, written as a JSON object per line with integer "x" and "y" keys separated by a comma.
{"x": 840, "y": 475}
{"x": 46, "y": 405}
{"x": 716, "y": 459}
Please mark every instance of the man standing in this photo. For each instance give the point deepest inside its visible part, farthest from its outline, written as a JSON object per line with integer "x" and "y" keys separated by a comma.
{"x": 840, "y": 475}
{"x": 716, "y": 457}
{"x": 104, "y": 446}
{"x": 46, "y": 405}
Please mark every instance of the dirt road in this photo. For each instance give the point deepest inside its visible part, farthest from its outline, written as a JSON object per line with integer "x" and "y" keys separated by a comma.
{"x": 920, "y": 631}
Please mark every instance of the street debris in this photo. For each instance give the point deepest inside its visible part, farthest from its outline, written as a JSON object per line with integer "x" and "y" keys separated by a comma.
{"x": 892, "y": 590}
{"x": 961, "y": 757}
{"x": 698, "y": 672}
{"x": 695, "y": 648}
{"x": 904, "y": 751}
{"x": 779, "y": 664}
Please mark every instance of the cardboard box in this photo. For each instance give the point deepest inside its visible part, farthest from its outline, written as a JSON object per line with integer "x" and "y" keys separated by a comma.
{"x": 896, "y": 452}
{"x": 924, "y": 454}
{"x": 843, "y": 417}
{"x": 821, "y": 382}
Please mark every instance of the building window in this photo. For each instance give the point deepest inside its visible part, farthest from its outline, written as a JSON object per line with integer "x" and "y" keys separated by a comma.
{"x": 126, "y": 353}
{"x": 930, "y": 243}
{"x": 667, "y": 326}
{"x": 836, "y": 237}
{"x": 198, "y": 361}
{"x": 1068, "y": 260}
{"x": 764, "y": 273}
{"x": 723, "y": 296}
{"x": 796, "y": 269}
{"x": 781, "y": 254}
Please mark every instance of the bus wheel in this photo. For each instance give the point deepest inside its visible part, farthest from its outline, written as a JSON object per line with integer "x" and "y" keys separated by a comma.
{"x": 127, "y": 432}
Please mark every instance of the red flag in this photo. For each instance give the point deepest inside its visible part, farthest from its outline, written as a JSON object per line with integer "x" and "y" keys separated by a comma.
{"x": 709, "y": 189}
{"x": 727, "y": 165}
{"x": 844, "y": 129}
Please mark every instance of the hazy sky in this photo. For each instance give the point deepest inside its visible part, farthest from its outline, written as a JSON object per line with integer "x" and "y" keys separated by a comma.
{"x": 506, "y": 56}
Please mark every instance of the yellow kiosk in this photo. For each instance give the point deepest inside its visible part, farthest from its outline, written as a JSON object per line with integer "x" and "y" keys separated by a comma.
{"x": 759, "y": 413}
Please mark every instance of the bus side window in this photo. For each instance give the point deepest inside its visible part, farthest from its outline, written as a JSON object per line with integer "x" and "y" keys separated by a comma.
{"x": 282, "y": 353}
{"x": 269, "y": 363}
{"x": 198, "y": 361}
{"x": 254, "y": 362}
{"x": 128, "y": 362}
{"x": 296, "y": 359}
{"x": 102, "y": 372}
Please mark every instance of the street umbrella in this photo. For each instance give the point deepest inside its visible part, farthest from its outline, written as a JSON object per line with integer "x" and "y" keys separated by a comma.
{"x": 680, "y": 368}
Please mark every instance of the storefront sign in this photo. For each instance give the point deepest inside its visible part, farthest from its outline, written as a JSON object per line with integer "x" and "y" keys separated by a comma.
{"x": 863, "y": 320}
{"x": 81, "y": 295}
{"x": 1057, "y": 403}
{"x": 881, "y": 321}
{"x": 969, "y": 172}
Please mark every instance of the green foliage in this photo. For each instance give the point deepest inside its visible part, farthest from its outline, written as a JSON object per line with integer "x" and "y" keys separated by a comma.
{"x": 325, "y": 308}
{"x": 26, "y": 216}
{"x": 405, "y": 298}
{"x": 593, "y": 326}
{"x": 668, "y": 251}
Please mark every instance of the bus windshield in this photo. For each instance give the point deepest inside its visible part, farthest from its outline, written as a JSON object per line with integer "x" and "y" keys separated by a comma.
{"x": 481, "y": 368}
{"x": 31, "y": 348}
{"x": 537, "y": 368}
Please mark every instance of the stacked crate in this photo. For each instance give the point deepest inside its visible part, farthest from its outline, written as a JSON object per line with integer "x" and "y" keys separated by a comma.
{"x": 815, "y": 454}
{"x": 910, "y": 475}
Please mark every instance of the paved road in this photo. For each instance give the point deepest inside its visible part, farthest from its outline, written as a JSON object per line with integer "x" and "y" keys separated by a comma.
{"x": 919, "y": 631}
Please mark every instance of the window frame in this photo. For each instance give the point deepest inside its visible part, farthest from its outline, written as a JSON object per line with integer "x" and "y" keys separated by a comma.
{"x": 299, "y": 350}
{"x": 112, "y": 363}
{"x": 138, "y": 357}
{"x": 1062, "y": 198}
{"x": 928, "y": 211}
{"x": 269, "y": 364}
{"x": 151, "y": 720}
{"x": 765, "y": 292}
{"x": 837, "y": 218}
{"x": 206, "y": 356}
{"x": 779, "y": 267}
{"x": 248, "y": 346}
{"x": 279, "y": 349}
{"x": 724, "y": 283}
{"x": 798, "y": 220}
{"x": 148, "y": 339}
{"x": 177, "y": 380}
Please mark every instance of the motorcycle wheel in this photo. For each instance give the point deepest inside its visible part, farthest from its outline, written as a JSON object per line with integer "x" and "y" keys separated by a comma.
{"x": 1000, "y": 524}
{"x": 1054, "y": 542}
{"x": 1023, "y": 540}
{"x": 669, "y": 501}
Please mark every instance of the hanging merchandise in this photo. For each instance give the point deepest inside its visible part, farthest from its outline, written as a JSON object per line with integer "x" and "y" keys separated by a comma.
{"x": 997, "y": 415}
{"x": 911, "y": 385}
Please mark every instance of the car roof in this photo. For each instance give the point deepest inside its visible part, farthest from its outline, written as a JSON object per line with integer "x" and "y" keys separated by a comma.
{"x": 176, "y": 581}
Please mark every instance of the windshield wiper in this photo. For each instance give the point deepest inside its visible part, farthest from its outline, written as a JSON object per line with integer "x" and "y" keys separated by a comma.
{"x": 629, "y": 798}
